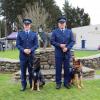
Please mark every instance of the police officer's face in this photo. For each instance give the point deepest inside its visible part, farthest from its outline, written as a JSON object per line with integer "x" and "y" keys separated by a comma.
{"x": 27, "y": 26}
{"x": 61, "y": 25}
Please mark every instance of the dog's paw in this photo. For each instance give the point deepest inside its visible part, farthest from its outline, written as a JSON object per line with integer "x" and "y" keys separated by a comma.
{"x": 79, "y": 87}
{"x": 38, "y": 90}
{"x": 82, "y": 85}
{"x": 32, "y": 89}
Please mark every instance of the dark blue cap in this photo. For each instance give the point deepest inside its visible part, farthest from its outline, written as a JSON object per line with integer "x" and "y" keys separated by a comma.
{"x": 27, "y": 21}
{"x": 62, "y": 20}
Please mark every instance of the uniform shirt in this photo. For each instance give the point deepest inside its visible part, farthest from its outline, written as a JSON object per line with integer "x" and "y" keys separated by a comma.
{"x": 58, "y": 37}
{"x": 26, "y": 42}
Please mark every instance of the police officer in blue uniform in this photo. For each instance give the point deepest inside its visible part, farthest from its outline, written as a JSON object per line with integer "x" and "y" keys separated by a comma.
{"x": 27, "y": 43}
{"x": 63, "y": 40}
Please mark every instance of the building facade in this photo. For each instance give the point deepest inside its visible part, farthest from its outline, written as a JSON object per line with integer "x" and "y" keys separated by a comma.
{"x": 87, "y": 37}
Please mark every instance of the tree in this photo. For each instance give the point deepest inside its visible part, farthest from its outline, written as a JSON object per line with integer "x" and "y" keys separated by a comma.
{"x": 75, "y": 16}
{"x": 10, "y": 9}
{"x": 2, "y": 28}
{"x": 36, "y": 13}
{"x": 53, "y": 10}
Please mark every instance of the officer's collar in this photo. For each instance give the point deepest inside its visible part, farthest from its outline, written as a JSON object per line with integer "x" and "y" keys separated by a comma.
{"x": 62, "y": 29}
{"x": 27, "y": 31}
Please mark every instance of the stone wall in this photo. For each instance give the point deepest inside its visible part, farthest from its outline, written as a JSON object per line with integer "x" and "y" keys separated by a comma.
{"x": 8, "y": 65}
{"x": 91, "y": 61}
{"x": 47, "y": 64}
{"x": 48, "y": 61}
{"x": 46, "y": 56}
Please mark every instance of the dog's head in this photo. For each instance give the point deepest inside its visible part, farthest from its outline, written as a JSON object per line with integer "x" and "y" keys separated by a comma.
{"x": 77, "y": 63}
{"x": 36, "y": 64}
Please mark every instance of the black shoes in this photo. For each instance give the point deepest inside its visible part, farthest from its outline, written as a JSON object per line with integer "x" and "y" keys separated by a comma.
{"x": 68, "y": 86}
{"x": 23, "y": 89}
{"x": 58, "y": 86}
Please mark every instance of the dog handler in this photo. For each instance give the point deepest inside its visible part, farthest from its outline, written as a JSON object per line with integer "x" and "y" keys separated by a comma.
{"x": 27, "y": 43}
{"x": 63, "y": 40}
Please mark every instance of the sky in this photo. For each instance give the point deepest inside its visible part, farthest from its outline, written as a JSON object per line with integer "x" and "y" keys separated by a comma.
{"x": 92, "y": 7}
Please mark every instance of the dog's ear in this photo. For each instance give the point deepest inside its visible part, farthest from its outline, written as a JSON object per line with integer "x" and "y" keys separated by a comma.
{"x": 73, "y": 58}
{"x": 79, "y": 61}
{"x": 81, "y": 64}
{"x": 34, "y": 60}
{"x": 74, "y": 61}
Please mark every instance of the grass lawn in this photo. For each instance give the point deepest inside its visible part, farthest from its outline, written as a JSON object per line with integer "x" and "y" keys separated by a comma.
{"x": 97, "y": 72}
{"x": 83, "y": 53}
{"x": 13, "y": 54}
{"x": 9, "y": 90}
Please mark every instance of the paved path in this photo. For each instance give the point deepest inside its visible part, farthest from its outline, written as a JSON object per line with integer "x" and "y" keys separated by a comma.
{"x": 9, "y": 60}
{"x": 97, "y": 77}
{"x": 90, "y": 57}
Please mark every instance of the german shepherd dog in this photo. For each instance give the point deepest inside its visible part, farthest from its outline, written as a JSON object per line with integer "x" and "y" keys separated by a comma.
{"x": 37, "y": 77}
{"x": 76, "y": 73}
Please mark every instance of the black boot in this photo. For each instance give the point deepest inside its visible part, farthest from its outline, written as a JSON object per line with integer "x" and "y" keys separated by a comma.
{"x": 68, "y": 86}
{"x": 23, "y": 89}
{"x": 58, "y": 86}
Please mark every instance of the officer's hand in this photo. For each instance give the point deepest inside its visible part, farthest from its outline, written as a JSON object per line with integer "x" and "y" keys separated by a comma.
{"x": 65, "y": 49}
{"x": 62, "y": 45}
{"x": 27, "y": 51}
